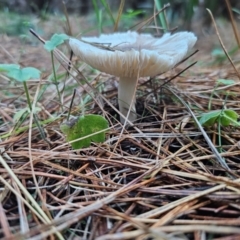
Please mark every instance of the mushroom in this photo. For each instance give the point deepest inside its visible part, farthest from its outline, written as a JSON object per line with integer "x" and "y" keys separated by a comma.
{"x": 132, "y": 55}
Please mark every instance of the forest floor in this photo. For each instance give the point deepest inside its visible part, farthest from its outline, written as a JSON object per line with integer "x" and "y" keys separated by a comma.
{"x": 165, "y": 177}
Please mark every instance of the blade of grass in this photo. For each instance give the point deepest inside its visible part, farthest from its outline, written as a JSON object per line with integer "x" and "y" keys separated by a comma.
{"x": 55, "y": 79}
{"x": 98, "y": 13}
{"x": 19, "y": 130}
{"x": 147, "y": 21}
{"x": 107, "y": 7}
{"x": 161, "y": 15}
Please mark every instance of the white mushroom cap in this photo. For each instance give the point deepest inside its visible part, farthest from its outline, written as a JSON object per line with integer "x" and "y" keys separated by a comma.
{"x": 131, "y": 52}
{"x": 131, "y": 55}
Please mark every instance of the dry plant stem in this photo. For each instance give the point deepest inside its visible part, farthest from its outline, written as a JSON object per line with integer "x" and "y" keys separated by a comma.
{"x": 31, "y": 158}
{"x": 126, "y": 95}
{"x": 221, "y": 42}
{"x": 67, "y": 18}
{"x": 233, "y": 22}
{"x": 39, "y": 214}
{"x": 160, "y": 210}
{"x": 30, "y": 143}
{"x": 120, "y": 10}
{"x": 4, "y": 223}
{"x": 22, "y": 212}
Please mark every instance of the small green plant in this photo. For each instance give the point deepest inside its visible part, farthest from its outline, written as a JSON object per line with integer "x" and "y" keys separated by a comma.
{"x": 19, "y": 74}
{"x": 88, "y": 128}
{"x": 56, "y": 40}
{"x": 223, "y": 117}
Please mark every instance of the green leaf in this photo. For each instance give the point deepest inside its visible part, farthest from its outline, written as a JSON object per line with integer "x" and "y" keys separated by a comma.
{"x": 228, "y": 117}
{"x": 84, "y": 126}
{"x": 225, "y": 81}
{"x": 14, "y": 71}
{"x": 209, "y": 119}
{"x": 224, "y": 117}
{"x": 231, "y": 114}
{"x": 107, "y": 7}
{"x": 8, "y": 67}
{"x": 24, "y": 74}
{"x": 55, "y": 40}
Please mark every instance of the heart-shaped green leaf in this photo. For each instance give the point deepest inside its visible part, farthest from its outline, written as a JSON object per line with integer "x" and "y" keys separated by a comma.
{"x": 84, "y": 126}
{"x": 20, "y": 74}
{"x": 228, "y": 117}
{"x": 208, "y": 119}
{"x": 24, "y": 74}
{"x": 55, "y": 40}
{"x": 8, "y": 67}
{"x": 224, "y": 117}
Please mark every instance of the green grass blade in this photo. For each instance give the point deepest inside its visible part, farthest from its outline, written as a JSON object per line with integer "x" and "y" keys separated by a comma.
{"x": 161, "y": 15}
{"x": 107, "y": 7}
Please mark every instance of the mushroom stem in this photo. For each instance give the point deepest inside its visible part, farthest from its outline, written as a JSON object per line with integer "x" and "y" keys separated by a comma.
{"x": 126, "y": 94}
